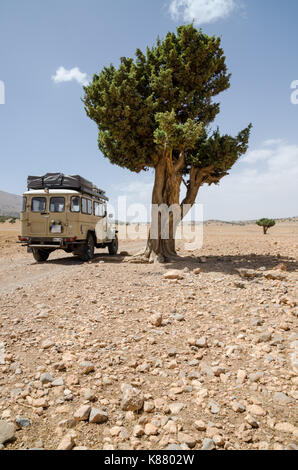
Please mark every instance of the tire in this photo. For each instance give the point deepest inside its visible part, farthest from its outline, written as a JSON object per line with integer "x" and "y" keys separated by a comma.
{"x": 87, "y": 250}
{"x": 40, "y": 255}
{"x": 113, "y": 247}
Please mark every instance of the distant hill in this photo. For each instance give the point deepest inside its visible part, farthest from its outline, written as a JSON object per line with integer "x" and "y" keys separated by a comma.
{"x": 10, "y": 204}
{"x": 247, "y": 222}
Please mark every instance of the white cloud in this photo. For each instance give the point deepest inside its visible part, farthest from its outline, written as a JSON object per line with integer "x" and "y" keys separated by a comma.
{"x": 74, "y": 74}
{"x": 272, "y": 142}
{"x": 201, "y": 11}
{"x": 132, "y": 198}
{"x": 258, "y": 155}
{"x": 264, "y": 184}
{"x": 141, "y": 188}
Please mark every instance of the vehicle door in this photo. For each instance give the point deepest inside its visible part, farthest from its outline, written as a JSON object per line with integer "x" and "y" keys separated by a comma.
{"x": 86, "y": 217}
{"x": 38, "y": 216}
{"x": 58, "y": 221}
{"x": 101, "y": 229}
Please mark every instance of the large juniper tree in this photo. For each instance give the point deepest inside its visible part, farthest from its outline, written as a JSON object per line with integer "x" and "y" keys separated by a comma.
{"x": 155, "y": 111}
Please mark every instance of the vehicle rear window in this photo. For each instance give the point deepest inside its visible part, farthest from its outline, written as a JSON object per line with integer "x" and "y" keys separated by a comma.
{"x": 24, "y": 203}
{"x": 57, "y": 204}
{"x": 75, "y": 204}
{"x": 38, "y": 204}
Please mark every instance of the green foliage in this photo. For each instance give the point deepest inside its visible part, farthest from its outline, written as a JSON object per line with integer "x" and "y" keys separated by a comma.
{"x": 165, "y": 97}
{"x": 221, "y": 151}
{"x": 4, "y": 218}
{"x": 174, "y": 134}
{"x": 266, "y": 224}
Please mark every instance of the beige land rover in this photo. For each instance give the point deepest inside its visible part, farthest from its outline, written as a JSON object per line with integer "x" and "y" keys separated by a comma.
{"x": 65, "y": 212}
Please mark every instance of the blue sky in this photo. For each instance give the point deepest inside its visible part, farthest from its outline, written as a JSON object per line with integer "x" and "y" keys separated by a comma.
{"x": 43, "y": 126}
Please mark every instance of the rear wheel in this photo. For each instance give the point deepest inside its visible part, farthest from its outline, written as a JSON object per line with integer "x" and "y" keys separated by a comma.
{"x": 40, "y": 255}
{"x": 87, "y": 250}
{"x": 113, "y": 246}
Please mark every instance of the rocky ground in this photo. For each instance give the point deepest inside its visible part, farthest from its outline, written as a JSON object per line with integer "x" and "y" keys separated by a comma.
{"x": 117, "y": 355}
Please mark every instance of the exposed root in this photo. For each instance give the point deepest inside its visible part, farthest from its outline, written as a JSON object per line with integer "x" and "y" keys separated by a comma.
{"x": 137, "y": 260}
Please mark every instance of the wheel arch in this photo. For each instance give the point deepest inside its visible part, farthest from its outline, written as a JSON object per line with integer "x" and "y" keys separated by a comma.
{"x": 92, "y": 232}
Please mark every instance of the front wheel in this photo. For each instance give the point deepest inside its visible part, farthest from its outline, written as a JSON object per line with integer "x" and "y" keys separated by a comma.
{"x": 40, "y": 255}
{"x": 87, "y": 251}
{"x": 113, "y": 246}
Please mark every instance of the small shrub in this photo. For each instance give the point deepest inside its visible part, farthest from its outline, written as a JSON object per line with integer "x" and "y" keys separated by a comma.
{"x": 266, "y": 224}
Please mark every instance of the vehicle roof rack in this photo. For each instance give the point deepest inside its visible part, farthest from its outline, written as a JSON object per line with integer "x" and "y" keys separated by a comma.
{"x": 61, "y": 181}
{"x": 94, "y": 192}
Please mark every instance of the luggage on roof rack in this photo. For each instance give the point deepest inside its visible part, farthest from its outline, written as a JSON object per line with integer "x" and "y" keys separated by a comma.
{"x": 61, "y": 181}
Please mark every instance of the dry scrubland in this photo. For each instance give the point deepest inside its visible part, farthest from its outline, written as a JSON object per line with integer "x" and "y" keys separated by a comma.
{"x": 112, "y": 355}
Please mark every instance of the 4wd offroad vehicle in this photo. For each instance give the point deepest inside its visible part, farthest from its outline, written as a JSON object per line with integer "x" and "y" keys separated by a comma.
{"x": 68, "y": 213}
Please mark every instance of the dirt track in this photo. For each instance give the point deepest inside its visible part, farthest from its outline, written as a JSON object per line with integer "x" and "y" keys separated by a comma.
{"x": 224, "y": 353}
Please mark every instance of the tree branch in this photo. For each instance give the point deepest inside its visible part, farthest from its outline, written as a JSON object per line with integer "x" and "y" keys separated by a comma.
{"x": 180, "y": 162}
{"x": 184, "y": 182}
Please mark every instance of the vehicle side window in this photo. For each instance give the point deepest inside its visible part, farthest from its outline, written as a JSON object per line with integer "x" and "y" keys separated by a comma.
{"x": 24, "y": 204}
{"x": 89, "y": 206}
{"x": 84, "y": 205}
{"x": 75, "y": 204}
{"x": 38, "y": 204}
{"x": 57, "y": 204}
{"x": 99, "y": 209}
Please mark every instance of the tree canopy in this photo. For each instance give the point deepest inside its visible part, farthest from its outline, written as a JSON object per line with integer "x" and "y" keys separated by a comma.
{"x": 266, "y": 224}
{"x": 173, "y": 83}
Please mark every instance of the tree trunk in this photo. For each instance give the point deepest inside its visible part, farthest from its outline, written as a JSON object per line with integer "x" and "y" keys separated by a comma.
{"x": 166, "y": 193}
